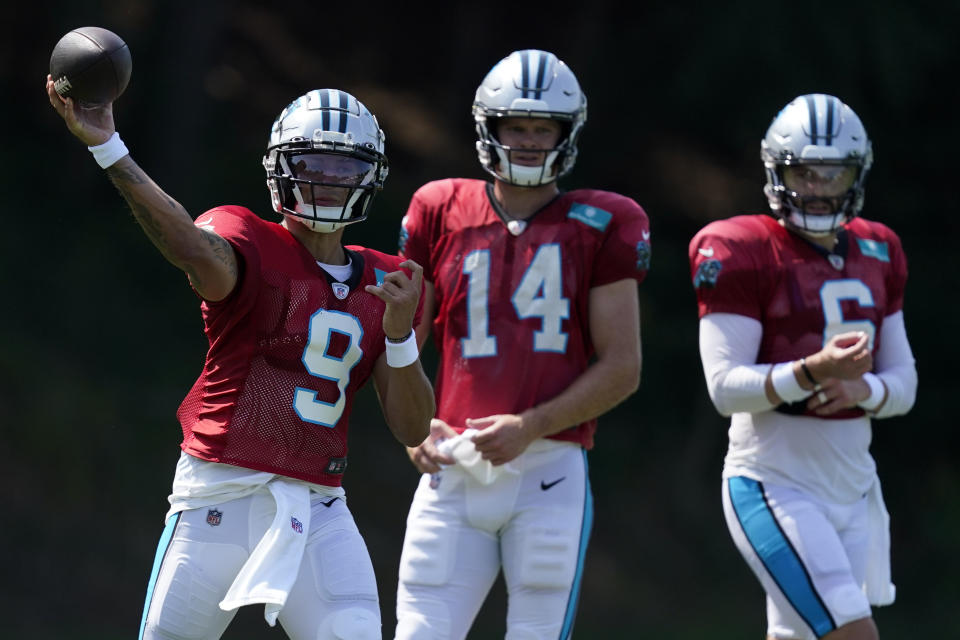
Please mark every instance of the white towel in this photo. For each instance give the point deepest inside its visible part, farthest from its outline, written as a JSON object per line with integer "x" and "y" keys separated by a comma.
{"x": 462, "y": 449}
{"x": 878, "y": 587}
{"x": 272, "y": 568}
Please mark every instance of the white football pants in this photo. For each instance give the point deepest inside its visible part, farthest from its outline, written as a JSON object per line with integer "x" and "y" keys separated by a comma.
{"x": 201, "y": 551}
{"x": 533, "y": 522}
{"x": 810, "y": 555}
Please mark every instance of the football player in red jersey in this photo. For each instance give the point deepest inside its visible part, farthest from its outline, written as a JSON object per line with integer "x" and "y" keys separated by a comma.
{"x": 803, "y": 342}
{"x": 531, "y": 296}
{"x": 297, "y": 322}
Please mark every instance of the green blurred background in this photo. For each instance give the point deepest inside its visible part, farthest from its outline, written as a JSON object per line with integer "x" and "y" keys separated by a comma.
{"x": 100, "y": 338}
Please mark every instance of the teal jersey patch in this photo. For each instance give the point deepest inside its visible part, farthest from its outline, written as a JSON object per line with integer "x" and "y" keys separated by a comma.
{"x": 874, "y": 249}
{"x": 381, "y": 274}
{"x": 590, "y": 216}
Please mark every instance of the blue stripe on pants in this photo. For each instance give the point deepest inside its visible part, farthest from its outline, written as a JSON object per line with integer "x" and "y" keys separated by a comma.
{"x": 777, "y": 554}
{"x": 585, "y": 528}
{"x": 157, "y": 561}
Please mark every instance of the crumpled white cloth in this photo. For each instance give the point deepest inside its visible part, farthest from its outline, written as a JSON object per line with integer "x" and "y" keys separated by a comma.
{"x": 879, "y": 589}
{"x": 462, "y": 449}
{"x": 270, "y": 571}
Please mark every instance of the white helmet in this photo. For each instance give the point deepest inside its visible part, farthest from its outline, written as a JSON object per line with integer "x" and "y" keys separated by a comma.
{"x": 529, "y": 84}
{"x": 816, "y": 131}
{"x": 323, "y": 146}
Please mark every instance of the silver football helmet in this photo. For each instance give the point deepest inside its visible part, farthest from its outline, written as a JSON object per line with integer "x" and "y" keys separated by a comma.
{"x": 529, "y": 84}
{"x": 325, "y": 160}
{"x": 818, "y": 136}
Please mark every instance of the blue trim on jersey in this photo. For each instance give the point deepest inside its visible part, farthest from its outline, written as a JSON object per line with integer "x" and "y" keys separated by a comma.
{"x": 380, "y": 275}
{"x": 590, "y": 215}
{"x": 585, "y": 527}
{"x": 777, "y": 553}
{"x": 874, "y": 249}
{"x": 162, "y": 547}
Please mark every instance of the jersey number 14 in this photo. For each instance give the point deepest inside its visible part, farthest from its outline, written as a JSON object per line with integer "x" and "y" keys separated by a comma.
{"x": 539, "y": 295}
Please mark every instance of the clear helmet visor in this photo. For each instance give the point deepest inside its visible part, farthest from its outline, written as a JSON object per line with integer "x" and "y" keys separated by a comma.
{"x": 329, "y": 168}
{"x": 819, "y": 193}
{"x": 326, "y": 187}
{"x": 326, "y": 179}
{"x": 819, "y": 180}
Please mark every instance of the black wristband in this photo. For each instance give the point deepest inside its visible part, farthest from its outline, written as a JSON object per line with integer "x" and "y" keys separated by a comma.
{"x": 806, "y": 372}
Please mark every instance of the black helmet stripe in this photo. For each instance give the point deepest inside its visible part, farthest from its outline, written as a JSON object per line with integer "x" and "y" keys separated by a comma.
{"x": 525, "y": 71}
{"x": 812, "y": 108}
{"x": 541, "y": 72}
{"x": 344, "y": 110}
{"x": 831, "y": 107}
{"x": 325, "y": 109}
{"x": 526, "y": 67}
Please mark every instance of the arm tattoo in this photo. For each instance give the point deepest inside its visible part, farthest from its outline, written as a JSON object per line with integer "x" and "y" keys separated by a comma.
{"x": 171, "y": 230}
{"x": 223, "y": 251}
{"x": 149, "y": 205}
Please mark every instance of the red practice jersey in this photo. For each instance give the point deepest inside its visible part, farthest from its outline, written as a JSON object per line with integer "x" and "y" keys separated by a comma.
{"x": 289, "y": 348}
{"x": 801, "y": 294}
{"x": 512, "y": 323}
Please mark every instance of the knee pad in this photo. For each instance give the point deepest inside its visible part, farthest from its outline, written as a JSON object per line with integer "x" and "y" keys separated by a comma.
{"x": 353, "y": 624}
{"x": 187, "y": 597}
{"x": 427, "y": 555}
{"x": 522, "y": 634}
{"x": 548, "y": 559}
{"x": 417, "y": 627}
{"x": 847, "y": 603}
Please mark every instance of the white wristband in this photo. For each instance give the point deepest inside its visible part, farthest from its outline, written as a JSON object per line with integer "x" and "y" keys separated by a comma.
{"x": 785, "y": 383}
{"x": 110, "y": 151}
{"x": 877, "y": 392}
{"x": 402, "y": 354}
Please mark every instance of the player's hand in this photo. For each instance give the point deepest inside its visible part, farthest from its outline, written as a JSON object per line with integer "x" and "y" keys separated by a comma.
{"x": 502, "y": 437}
{"x": 93, "y": 125}
{"x": 401, "y": 295}
{"x": 846, "y": 356}
{"x": 426, "y": 457}
{"x": 836, "y": 395}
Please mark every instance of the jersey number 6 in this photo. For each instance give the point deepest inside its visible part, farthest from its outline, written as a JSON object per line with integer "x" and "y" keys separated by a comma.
{"x": 831, "y": 293}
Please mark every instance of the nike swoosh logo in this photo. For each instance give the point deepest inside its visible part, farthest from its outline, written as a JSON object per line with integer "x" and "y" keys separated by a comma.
{"x": 706, "y": 252}
{"x": 201, "y": 222}
{"x": 546, "y": 485}
{"x": 645, "y": 234}
{"x": 330, "y": 502}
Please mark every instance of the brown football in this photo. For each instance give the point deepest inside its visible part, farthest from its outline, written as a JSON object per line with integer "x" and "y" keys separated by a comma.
{"x": 91, "y": 65}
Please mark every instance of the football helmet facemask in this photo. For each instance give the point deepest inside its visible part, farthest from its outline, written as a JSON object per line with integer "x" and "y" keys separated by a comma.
{"x": 817, "y": 155}
{"x": 325, "y": 160}
{"x": 529, "y": 84}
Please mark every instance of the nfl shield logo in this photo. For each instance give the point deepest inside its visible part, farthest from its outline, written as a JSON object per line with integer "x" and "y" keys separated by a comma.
{"x": 213, "y": 517}
{"x": 340, "y": 290}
